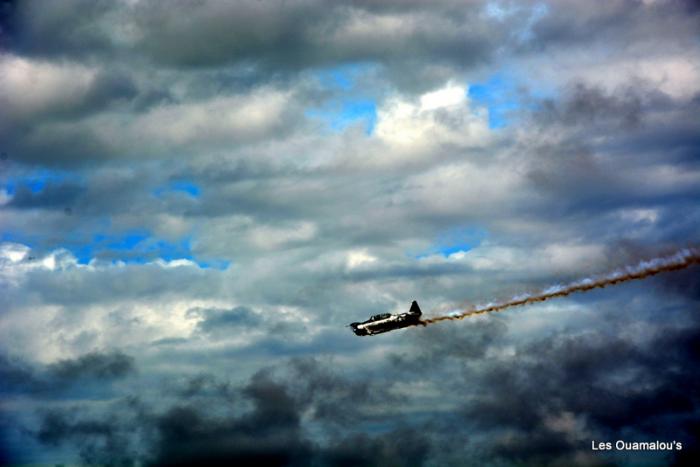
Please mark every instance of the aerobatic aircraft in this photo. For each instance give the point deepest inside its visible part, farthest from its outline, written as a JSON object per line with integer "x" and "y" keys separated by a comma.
{"x": 387, "y": 322}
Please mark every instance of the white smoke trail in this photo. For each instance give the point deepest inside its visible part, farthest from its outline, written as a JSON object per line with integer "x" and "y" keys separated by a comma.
{"x": 679, "y": 260}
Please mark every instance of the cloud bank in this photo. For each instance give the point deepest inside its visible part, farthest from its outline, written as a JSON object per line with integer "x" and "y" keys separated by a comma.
{"x": 197, "y": 196}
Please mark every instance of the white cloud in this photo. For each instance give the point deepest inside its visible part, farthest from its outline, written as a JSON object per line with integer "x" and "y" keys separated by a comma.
{"x": 362, "y": 25}
{"x": 442, "y": 116}
{"x": 573, "y": 257}
{"x": 30, "y": 87}
{"x": 551, "y": 259}
{"x": 13, "y": 252}
{"x": 449, "y": 96}
{"x": 640, "y": 215}
{"x": 215, "y": 120}
{"x": 15, "y": 260}
{"x": 5, "y": 197}
{"x": 466, "y": 187}
{"x": 272, "y": 237}
{"x": 358, "y": 258}
{"x": 675, "y": 73}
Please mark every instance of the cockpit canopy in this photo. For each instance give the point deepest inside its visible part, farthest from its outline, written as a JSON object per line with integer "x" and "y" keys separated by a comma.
{"x": 380, "y": 316}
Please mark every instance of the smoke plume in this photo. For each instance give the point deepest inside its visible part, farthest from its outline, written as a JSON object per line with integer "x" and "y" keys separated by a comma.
{"x": 679, "y": 260}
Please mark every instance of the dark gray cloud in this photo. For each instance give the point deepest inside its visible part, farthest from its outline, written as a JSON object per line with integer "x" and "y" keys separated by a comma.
{"x": 19, "y": 377}
{"x": 572, "y": 24}
{"x": 7, "y": 10}
{"x": 402, "y": 447}
{"x": 37, "y": 30}
{"x": 540, "y": 406}
{"x": 54, "y": 195}
{"x": 189, "y": 432}
{"x": 276, "y": 35}
{"x": 93, "y": 365}
{"x": 585, "y": 106}
{"x": 270, "y": 433}
{"x": 586, "y": 382}
{"x": 226, "y": 321}
{"x": 557, "y": 393}
{"x": 16, "y": 375}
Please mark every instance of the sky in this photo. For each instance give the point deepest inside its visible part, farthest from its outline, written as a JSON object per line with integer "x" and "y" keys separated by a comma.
{"x": 197, "y": 197}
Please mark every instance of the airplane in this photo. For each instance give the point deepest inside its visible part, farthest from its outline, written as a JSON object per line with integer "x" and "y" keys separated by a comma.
{"x": 386, "y": 322}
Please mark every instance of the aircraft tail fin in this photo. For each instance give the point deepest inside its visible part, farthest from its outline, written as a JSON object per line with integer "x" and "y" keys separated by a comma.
{"x": 415, "y": 309}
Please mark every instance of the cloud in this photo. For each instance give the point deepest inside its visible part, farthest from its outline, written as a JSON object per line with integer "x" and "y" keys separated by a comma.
{"x": 577, "y": 384}
{"x": 65, "y": 374}
{"x": 522, "y": 401}
{"x": 269, "y": 433}
{"x": 52, "y": 123}
{"x": 93, "y": 365}
{"x": 190, "y": 432}
{"x": 217, "y": 34}
{"x": 441, "y": 116}
{"x": 196, "y": 198}
{"x": 54, "y": 195}
{"x": 36, "y": 88}
{"x": 226, "y": 321}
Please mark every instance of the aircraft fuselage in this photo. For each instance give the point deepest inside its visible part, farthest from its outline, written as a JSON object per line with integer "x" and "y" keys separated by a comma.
{"x": 386, "y": 322}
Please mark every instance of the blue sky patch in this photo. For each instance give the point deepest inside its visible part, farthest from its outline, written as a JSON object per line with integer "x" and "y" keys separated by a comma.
{"x": 340, "y": 115}
{"x": 220, "y": 264}
{"x": 349, "y": 103}
{"x": 36, "y": 181}
{"x": 343, "y": 77}
{"x": 455, "y": 240}
{"x": 126, "y": 247}
{"x": 137, "y": 246}
{"x": 498, "y": 95}
{"x": 15, "y": 237}
{"x": 181, "y": 186}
